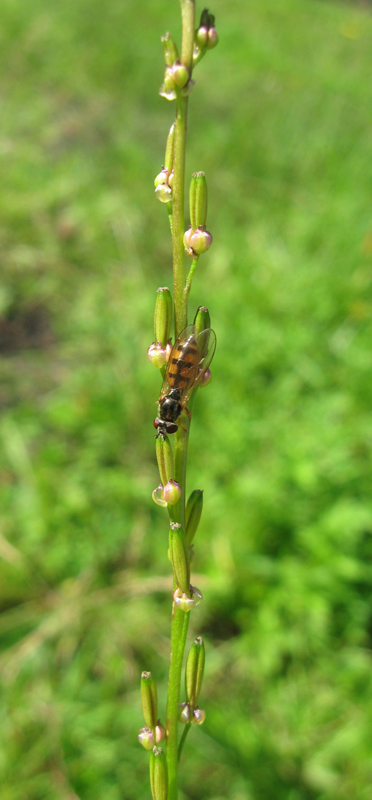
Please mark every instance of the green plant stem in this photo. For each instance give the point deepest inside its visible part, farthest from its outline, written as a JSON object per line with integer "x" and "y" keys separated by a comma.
{"x": 183, "y": 739}
{"x": 180, "y": 619}
{"x": 190, "y": 277}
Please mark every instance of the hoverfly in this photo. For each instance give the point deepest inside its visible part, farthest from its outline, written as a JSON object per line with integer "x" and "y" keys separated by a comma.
{"x": 190, "y": 357}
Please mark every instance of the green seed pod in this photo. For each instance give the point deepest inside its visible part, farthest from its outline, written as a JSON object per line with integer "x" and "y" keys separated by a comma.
{"x": 179, "y": 557}
{"x": 163, "y": 315}
{"x": 194, "y": 671}
{"x": 169, "y": 49}
{"x": 168, "y": 158}
{"x": 158, "y": 774}
{"x": 193, "y": 513}
{"x": 202, "y": 320}
{"x": 149, "y": 697}
{"x": 198, "y": 199}
{"x": 164, "y": 457}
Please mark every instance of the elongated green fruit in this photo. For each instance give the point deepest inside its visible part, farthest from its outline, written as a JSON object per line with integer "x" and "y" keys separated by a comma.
{"x": 169, "y": 49}
{"x": 163, "y": 315}
{"x": 202, "y": 319}
{"x": 149, "y": 697}
{"x": 168, "y": 159}
{"x": 158, "y": 774}
{"x": 194, "y": 671}
{"x": 165, "y": 460}
{"x": 179, "y": 557}
{"x": 193, "y": 513}
{"x": 198, "y": 200}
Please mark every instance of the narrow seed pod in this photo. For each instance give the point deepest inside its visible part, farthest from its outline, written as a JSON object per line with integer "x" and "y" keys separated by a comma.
{"x": 202, "y": 320}
{"x": 168, "y": 158}
{"x": 163, "y": 315}
{"x": 172, "y": 492}
{"x": 149, "y": 697}
{"x": 198, "y": 200}
{"x": 193, "y": 513}
{"x": 169, "y": 49}
{"x": 179, "y": 557}
{"x": 158, "y": 774}
{"x": 165, "y": 460}
{"x": 194, "y": 671}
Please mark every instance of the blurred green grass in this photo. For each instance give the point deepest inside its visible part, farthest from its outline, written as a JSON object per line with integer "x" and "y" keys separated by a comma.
{"x": 281, "y": 123}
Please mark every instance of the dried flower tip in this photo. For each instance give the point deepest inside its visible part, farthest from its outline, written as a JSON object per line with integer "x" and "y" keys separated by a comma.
{"x": 212, "y": 38}
{"x": 175, "y": 526}
{"x": 164, "y": 457}
{"x": 185, "y": 713}
{"x": 159, "y": 732}
{"x": 158, "y": 774}
{"x": 194, "y": 671}
{"x": 146, "y": 738}
{"x": 198, "y": 716}
{"x": 157, "y": 496}
{"x": 180, "y": 558}
{"x": 201, "y": 240}
{"x": 163, "y": 315}
{"x": 194, "y": 509}
{"x": 172, "y": 492}
{"x": 207, "y": 377}
{"x": 169, "y": 49}
{"x": 149, "y": 698}
{"x": 157, "y": 355}
{"x": 198, "y": 199}
{"x": 180, "y": 74}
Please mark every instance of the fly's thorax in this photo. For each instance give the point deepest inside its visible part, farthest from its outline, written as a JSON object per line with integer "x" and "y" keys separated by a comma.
{"x": 170, "y": 406}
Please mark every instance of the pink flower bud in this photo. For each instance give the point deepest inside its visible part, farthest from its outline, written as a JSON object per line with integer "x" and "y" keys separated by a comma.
{"x": 200, "y": 241}
{"x": 212, "y": 38}
{"x": 187, "y": 237}
{"x": 207, "y": 377}
{"x": 157, "y": 355}
{"x": 198, "y": 716}
{"x": 172, "y": 492}
{"x": 146, "y": 738}
{"x": 201, "y": 36}
{"x": 159, "y": 732}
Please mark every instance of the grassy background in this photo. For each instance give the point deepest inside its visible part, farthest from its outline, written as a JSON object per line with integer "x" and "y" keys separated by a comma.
{"x": 281, "y": 122}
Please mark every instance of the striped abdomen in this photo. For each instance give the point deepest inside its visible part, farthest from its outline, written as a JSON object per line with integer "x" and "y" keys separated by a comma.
{"x": 183, "y": 368}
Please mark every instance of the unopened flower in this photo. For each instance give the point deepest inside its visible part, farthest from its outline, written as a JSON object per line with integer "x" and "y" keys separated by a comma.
{"x": 198, "y": 716}
{"x": 200, "y": 240}
{"x": 185, "y": 713}
{"x": 146, "y": 738}
{"x": 171, "y": 492}
{"x": 157, "y": 355}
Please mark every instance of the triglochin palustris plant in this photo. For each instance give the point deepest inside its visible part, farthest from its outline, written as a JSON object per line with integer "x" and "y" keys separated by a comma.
{"x": 184, "y": 367}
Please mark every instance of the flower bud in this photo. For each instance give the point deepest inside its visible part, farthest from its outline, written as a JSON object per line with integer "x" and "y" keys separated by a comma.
{"x": 198, "y": 199}
{"x": 168, "y": 158}
{"x": 146, "y": 738}
{"x": 185, "y": 713}
{"x": 206, "y": 378}
{"x": 194, "y": 671}
{"x": 157, "y": 496}
{"x": 164, "y": 456}
{"x": 187, "y": 237}
{"x": 180, "y": 74}
{"x": 212, "y": 38}
{"x": 157, "y": 355}
{"x": 163, "y": 193}
{"x": 158, "y": 774}
{"x": 171, "y": 492}
{"x": 169, "y": 49}
{"x": 179, "y": 557}
{"x": 185, "y": 603}
{"x": 163, "y": 315}
{"x": 201, "y": 240}
{"x": 201, "y": 36}
{"x": 194, "y": 509}
{"x": 159, "y": 732}
{"x": 198, "y": 716}
{"x": 149, "y": 697}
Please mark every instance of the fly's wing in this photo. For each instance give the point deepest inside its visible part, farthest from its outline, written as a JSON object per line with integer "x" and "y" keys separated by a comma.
{"x": 184, "y": 336}
{"x": 206, "y": 341}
